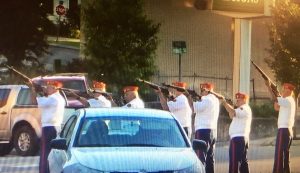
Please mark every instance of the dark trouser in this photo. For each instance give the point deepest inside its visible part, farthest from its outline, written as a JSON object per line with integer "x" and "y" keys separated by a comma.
{"x": 48, "y": 133}
{"x": 282, "y": 154}
{"x": 207, "y": 157}
{"x": 238, "y": 155}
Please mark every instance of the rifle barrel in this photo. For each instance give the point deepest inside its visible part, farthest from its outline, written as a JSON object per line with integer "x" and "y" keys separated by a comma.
{"x": 263, "y": 74}
{"x": 19, "y": 73}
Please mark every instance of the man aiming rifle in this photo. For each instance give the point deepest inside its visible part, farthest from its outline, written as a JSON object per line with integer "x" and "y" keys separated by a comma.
{"x": 285, "y": 104}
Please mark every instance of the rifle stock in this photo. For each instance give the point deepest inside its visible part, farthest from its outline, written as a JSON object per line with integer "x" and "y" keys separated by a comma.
{"x": 163, "y": 89}
{"x": 228, "y": 100}
{"x": 195, "y": 96}
{"x": 266, "y": 78}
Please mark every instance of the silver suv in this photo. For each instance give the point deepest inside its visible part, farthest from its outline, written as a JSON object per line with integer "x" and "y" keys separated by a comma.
{"x": 20, "y": 126}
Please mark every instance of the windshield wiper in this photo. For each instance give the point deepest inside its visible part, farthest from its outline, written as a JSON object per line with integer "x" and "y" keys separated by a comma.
{"x": 95, "y": 145}
{"x": 142, "y": 145}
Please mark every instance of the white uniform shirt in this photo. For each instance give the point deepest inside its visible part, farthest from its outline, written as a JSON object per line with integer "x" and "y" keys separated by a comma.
{"x": 286, "y": 117}
{"x": 100, "y": 102}
{"x": 241, "y": 122}
{"x": 207, "y": 112}
{"x": 181, "y": 110}
{"x": 135, "y": 103}
{"x": 52, "y": 108}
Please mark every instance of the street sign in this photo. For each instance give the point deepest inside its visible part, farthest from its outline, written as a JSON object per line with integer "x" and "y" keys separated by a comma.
{"x": 179, "y": 47}
{"x": 60, "y": 10}
{"x": 246, "y": 6}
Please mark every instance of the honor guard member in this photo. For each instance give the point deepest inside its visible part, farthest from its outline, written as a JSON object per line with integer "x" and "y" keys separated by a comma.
{"x": 285, "y": 104}
{"x": 206, "y": 119}
{"x": 239, "y": 132}
{"x": 99, "y": 91}
{"x": 131, "y": 97}
{"x": 179, "y": 106}
{"x": 96, "y": 98}
{"x": 52, "y": 110}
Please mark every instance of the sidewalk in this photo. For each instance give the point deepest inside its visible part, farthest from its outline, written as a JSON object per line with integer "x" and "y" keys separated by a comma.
{"x": 51, "y": 38}
{"x": 270, "y": 141}
{"x": 70, "y": 43}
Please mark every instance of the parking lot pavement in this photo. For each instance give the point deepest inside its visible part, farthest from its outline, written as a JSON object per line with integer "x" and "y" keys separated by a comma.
{"x": 17, "y": 164}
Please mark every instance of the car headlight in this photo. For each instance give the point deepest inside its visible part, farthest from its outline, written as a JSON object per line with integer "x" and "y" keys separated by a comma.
{"x": 78, "y": 168}
{"x": 195, "y": 168}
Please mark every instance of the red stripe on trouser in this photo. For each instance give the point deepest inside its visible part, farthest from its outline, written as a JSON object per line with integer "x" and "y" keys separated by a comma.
{"x": 279, "y": 152}
{"x": 233, "y": 156}
{"x": 42, "y": 150}
{"x": 198, "y": 151}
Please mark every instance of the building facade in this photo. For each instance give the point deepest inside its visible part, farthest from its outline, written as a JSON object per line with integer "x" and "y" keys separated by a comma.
{"x": 209, "y": 41}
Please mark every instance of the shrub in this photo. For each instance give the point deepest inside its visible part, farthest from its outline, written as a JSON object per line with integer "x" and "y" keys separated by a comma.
{"x": 265, "y": 109}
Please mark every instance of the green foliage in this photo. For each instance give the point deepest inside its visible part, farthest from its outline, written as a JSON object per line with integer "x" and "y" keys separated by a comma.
{"x": 120, "y": 41}
{"x": 22, "y": 29}
{"x": 284, "y": 37}
{"x": 265, "y": 109}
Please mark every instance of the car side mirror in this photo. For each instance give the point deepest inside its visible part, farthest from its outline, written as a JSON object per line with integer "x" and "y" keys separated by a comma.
{"x": 60, "y": 144}
{"x": 199, "y": 145}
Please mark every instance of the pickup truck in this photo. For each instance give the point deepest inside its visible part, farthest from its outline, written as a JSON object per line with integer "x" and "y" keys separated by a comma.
{"x": 20, "y": 125}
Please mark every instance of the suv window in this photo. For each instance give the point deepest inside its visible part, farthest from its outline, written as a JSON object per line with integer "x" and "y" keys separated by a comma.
{"x": 4, "y": 93}
{"x": 24, "y": 97}
{"x": 74, "y": 84}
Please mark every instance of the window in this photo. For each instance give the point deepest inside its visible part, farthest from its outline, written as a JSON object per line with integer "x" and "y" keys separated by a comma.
{"x": 4, "y": 93}
{"x": 130, "y": 131}
{"x": 24, "y": 97}
{"x": 68, "y": 129}
{"x": 74, "y": 84}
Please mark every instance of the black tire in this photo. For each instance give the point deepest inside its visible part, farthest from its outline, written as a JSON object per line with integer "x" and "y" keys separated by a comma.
{"x": 25, "y": 141}
{"x": 5, "y": 149}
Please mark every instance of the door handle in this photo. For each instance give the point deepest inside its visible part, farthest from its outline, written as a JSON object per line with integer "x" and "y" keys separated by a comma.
{"x": 3, "y": 112}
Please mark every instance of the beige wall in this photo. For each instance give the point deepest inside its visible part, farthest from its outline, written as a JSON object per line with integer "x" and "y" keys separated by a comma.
{"x": 209, "y": 40}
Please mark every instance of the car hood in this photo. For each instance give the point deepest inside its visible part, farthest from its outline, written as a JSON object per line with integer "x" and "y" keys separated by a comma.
{"x": 141, "y": 159}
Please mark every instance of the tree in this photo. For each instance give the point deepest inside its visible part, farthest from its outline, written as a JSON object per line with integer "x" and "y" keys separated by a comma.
{"x": 22, "y": 30}
{"x": 284, "y": 37}
{"x": 120, "y": 40}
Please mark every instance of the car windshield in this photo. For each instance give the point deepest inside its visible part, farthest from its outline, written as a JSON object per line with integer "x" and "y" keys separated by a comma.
{"x": 129, "y": 132}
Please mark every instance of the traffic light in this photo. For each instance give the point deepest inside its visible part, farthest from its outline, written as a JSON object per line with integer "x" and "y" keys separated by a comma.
{"x": 203, "y": 4}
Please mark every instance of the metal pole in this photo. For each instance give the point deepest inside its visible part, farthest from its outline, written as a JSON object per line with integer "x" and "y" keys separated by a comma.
{"x": 253, "y": 89}
{"x": 194, "y": 81}
{"x": 58, "y": 28}
{"x": 179, "y": 67}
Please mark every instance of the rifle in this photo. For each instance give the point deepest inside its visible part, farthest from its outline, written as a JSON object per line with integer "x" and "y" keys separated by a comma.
{"x": 266, "y": 78}
{"x": 105, "y": 94}
{"x": 195, "y": 96}
{"x": 163, "y": 89}
{"x": 38, "y": 88}
{"x": 228, "y": 100}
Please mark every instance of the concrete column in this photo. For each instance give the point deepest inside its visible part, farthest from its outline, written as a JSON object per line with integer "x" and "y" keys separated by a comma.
{"x": 242, "y": 55}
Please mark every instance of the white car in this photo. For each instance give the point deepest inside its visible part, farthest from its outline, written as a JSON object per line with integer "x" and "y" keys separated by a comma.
{"x": 107, "y": 140}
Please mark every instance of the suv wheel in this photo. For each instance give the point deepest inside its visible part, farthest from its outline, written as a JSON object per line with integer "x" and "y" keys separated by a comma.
{"x": 5, "y": 149}
{"x": 25, "y": 141}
